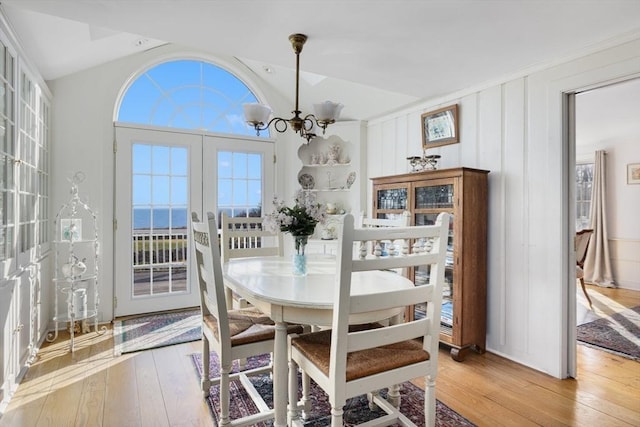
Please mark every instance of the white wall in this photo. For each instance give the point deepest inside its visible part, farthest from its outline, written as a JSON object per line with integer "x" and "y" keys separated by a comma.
{"x": 515, "y": 130}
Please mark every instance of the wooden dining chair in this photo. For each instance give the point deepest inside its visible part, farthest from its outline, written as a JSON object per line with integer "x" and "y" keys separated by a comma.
{"x": 581, "y": 242}
{"x": 232, "y": 334}
{"x": 246, "y": 237}
{"x": 348, "y": 361}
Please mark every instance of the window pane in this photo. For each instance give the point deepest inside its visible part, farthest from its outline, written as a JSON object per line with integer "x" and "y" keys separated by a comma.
{"x": 141, "y": 155}
{"x": 239, "y": 165}
{"x": 160, "y": 156}
{"x": 141, "y": 189}
{"x": 163, "y": 114}
{"x": 240, "y": 193}
{"x": 224, "y": 164}
{"x": 179, "y": 190}
{"x": 255, "y": 166}
{"x": 179, "y": 161}
{"x": 224, "y": 192}
{"x": 179, "y": 217}
{"x": 255, "y": 193}
{"x": 160, "y": 190}
{"x": 584, "y": 183}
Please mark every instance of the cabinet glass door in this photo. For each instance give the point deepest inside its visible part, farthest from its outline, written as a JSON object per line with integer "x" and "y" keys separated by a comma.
{"x": 429, "y": 202}
{"x": 390, "y": 199}
{"x": 421, "y": 277}
{"x": 434, "y": 197}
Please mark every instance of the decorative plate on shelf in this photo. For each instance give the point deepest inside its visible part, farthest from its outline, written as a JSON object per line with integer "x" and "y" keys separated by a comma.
{"x": 351, "y": 179}
{"x": 306, "y": 181}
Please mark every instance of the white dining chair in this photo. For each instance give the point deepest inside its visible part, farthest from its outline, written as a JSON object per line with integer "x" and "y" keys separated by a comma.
{"x": 232, "y": 334}
{"x": 383, "y": 248}
{"x": 242, "y": 237}
{"x": 349, "y": 361}
{"x": 379, "y": 247}
{"x": 246, "y": 237}
{"x": 401, "y": 220}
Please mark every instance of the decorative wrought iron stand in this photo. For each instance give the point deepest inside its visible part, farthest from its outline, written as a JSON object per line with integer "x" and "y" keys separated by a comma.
{"x": 76, "y": 266}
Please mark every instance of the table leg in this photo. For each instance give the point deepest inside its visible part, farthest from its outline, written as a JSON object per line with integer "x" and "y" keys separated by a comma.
{"x": 280, "y": 374}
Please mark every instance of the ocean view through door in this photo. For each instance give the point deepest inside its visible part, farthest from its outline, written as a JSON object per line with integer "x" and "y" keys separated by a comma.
{"x": 161, "y": 177}
{"x": 158, "y": 183}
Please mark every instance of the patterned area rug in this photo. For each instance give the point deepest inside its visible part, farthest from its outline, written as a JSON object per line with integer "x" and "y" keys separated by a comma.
{"x": 618, "y": 334}
{"x": 156, "y": 330}
{"x": 356, "y": 411}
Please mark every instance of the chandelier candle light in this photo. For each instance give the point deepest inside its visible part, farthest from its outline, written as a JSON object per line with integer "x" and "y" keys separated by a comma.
{"x": 326, "y": 112}
{"x": 299, "y": 220}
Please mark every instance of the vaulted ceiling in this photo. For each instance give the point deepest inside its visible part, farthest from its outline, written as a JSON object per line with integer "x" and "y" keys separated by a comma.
{"x": 396, "y": 51}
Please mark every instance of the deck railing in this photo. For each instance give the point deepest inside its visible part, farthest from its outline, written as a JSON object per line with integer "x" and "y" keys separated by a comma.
{"x": 153, "y": 249}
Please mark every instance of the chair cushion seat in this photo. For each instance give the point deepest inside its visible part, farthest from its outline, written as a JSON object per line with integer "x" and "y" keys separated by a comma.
{"x": 316, "y": 347}
{"x": 247, "y": 325}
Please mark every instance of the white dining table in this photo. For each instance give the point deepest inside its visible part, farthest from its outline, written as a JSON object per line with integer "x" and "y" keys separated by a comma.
{"x": 268, "y": 283}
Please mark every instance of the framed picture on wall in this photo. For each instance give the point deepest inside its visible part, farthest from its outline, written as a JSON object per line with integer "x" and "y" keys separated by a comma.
{"x": 70, "y": 229}
{"x": 440, "y": 127}
{"x": 633, "y": 173}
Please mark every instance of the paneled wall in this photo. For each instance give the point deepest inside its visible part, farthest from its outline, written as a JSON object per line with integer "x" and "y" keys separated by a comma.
{"x": 515, "y": 130}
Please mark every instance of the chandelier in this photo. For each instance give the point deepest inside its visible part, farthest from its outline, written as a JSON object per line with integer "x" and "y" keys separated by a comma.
{"x": 326, "y": 112}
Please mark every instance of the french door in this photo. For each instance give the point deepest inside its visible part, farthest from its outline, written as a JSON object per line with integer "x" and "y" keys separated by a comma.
{"x": 161, "y": 177}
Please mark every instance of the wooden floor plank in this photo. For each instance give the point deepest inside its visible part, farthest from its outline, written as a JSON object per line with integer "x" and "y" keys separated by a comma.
{"x": 184, "y": 402}
{"x": 152, "y": 405}
{"x": 92, "y": 402}
{"x": 122, "y": 402}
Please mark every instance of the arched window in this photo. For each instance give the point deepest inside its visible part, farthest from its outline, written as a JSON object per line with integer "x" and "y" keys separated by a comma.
{"x": 162, "y": 177}
{"x": 188, "y": 94}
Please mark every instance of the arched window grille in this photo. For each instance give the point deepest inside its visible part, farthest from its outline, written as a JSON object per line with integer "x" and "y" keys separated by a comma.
{"x": 188, "y": 94}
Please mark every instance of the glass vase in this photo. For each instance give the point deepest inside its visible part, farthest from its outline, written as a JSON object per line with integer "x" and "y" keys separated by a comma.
{"x": 299, "y": 257}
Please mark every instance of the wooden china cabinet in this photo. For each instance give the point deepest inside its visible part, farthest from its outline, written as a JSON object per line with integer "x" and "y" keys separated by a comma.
{"x": 462, "y": 192}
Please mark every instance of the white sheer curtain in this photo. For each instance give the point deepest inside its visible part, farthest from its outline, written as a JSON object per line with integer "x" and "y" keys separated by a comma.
{"x": 597, "y": 265}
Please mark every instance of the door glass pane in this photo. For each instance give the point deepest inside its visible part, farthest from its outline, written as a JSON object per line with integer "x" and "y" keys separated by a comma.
{"x": 141, "y": 159}
{"x": 159, "y": 212}
{"x": 240, "y": 184}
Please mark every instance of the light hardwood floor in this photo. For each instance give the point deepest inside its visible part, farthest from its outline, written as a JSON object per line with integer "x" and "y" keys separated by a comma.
{"x": 160, "y": 388}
